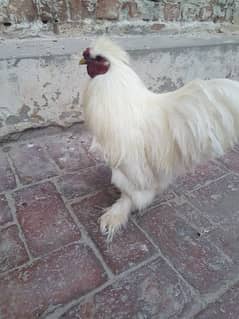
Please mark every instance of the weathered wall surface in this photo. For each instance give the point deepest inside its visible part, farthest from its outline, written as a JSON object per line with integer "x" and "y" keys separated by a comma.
{"x": 171, "y": 41}
{"x": 38, "y": 92}
{"x": 126, "y": 16}
{"x": 39, "y": 87}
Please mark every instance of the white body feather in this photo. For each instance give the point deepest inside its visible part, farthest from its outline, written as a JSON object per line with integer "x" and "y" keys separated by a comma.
{"x": 149, "y": 139}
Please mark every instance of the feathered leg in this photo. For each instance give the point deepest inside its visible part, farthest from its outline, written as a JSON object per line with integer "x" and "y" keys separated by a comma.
{"x": 131, "y": 199}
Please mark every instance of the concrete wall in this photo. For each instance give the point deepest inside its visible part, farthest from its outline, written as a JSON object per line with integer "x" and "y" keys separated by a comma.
{"x": 41, "y": 82}
{"x": 171, "y": 42}
{"x": 25, "y": 17}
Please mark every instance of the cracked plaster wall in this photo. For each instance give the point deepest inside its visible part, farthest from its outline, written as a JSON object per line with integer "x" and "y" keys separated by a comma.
{"x": 38, "y": 92}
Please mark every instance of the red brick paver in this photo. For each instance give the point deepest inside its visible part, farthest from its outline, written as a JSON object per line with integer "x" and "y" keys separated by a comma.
{"x": 178, "y": 259}
{"x": 193, "y": 216}
{"x": 227, "y": 238}
{"x": 199, "y": 177}
{"x": 227, "y": 307}
{"x": 12, "y": 251}
{"x": 219, "y": 200}
{"x": 65, "y": 274}
{"x": 230, "y": 160}
{"x": 154, "y": 291}
{"x": 195, "y": 258}
{"x": 45, "y": 221}
{"x": 68, "y": 153}
{"x": 32, "y": 163}
{"x": 129, "y": 247}
{"x": 85, "y": 182}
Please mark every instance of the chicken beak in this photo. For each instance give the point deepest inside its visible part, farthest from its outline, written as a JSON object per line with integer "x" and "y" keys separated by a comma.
{"x": 82, "y": 61}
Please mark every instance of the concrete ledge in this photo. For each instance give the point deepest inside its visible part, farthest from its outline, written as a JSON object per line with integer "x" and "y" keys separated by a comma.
{"x": 49, "y": 46}
{"x": 41, "y": 82}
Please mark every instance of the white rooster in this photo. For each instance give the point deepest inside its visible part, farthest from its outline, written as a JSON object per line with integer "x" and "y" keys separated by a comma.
{"x": 149, "y": 139}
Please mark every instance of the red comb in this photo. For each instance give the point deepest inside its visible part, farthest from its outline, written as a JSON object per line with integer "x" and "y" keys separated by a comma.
{"x": 86, "y": 53}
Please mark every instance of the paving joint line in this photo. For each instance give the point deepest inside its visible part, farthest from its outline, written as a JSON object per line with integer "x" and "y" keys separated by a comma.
{"x": 207, "y": 183}
{"x": 14, "y": 170}
{"x": 63, "y": 308}
{"x": 193, "y": 290}
{"x": 212, "y": 298}
{"x": 40, "y": 257}
{"x": 48, "y": 179}
{"x": 12, "y": 206}
{"x": 88, "y": 240}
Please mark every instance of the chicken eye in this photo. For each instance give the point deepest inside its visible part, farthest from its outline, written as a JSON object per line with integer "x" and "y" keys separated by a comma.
{"x": 98, "y": 58}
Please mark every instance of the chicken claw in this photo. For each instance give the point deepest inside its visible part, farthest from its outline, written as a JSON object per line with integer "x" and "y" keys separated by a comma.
{"x": 111, "y": 222}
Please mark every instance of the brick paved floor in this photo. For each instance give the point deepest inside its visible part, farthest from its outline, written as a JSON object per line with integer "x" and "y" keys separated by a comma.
{"x": 177, "y": 259}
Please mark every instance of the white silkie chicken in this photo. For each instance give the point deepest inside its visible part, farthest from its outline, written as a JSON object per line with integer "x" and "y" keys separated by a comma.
{"x": 149, "y": 139}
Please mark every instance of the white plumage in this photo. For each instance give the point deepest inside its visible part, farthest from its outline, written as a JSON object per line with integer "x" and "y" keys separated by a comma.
{"x": 149, "y": 139}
